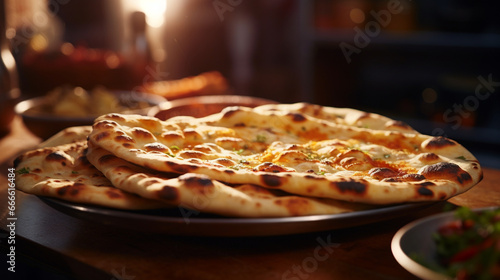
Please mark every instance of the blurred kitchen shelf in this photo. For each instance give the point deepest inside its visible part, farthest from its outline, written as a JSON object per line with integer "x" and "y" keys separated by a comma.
{"x": 413, "y": 39}
{"x": 450, "y": 40}
{"x": 485, "y": 136}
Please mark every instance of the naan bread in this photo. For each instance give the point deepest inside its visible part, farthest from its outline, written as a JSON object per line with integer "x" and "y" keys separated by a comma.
{"x": 64, "y": 172}
{"x": 283, "y": 148}
{"x": 200, "y": 193}
{"x": 68, "y": 135}
{"x": 343, "y": 116}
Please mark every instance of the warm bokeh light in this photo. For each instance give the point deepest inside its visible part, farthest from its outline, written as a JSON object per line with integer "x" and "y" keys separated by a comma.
{"x": 154, "y": 10}
{"x": 112, "y": 60}
{"x": 429, "y": 95}
{"x": 357, "y": 15}
{"x": 39, "y": 43}
{"x": 7, "y": 58}
{"x": 10, "y": 33}
{"x": 67, "y": 48}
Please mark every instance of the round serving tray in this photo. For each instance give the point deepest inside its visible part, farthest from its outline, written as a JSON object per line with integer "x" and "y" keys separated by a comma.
{"x": 180, "y": 221}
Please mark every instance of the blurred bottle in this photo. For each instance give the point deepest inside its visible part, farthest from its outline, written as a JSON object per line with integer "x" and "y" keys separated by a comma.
{"x": 138, "y": 51}
{"x": 9, "y": 89}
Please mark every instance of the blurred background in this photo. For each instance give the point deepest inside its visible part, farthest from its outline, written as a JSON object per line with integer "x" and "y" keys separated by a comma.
{"x": 433, "y": 64}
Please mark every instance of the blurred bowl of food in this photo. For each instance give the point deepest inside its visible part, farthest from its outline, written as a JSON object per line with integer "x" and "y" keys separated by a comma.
{"x": 68, "y": 106}
{"x": 201, "y": 106}
{"x": 460, "y": 244}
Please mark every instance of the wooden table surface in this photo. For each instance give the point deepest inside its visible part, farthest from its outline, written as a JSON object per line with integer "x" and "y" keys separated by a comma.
{"x": 51, "y": 242}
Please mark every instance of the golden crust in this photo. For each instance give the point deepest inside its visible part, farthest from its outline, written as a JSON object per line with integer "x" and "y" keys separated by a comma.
{"x": 64, "y": 172}
{"x": 200, "y": 193}
{"x": 333, "y": 151}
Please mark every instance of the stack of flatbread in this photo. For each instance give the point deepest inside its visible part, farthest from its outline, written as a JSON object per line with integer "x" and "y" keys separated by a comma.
{"x": 270, "y": 161}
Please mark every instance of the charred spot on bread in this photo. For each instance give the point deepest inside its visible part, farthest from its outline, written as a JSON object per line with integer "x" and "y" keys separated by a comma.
{"x": 230, "y": 111}
{"x": 179, "y": 168}
{"x": 446, "y": 170}
{"x": 269, "y": 167}
{"x": 193, "y": 154}
{"x": 392, "y": 180}
{"x": 114, "y": 194}
{"x": 199, "y": 182}
{"x": 426, "y": 184}
{"x": 314, "y": 109}
{"x": 156, "y": 146}
{"x": 381, "y": 173}
{"x": 57, "y": 156}
{"x": 225, "y": 162}
{"x": 429, "y": 158}
{"x": 106, "y": 159}
{"x": 398, "y": 124}
{"x": 438, "y": 143}
{"x": 104, "y": 124}
{"x": 294, "y": 205}
{"x": 351, "y": 186}
{"x": 297, "y": 117}
{"x": 412, "y": 177}
{"x": 140, "y": 132}
{"x": 114, "y": 116}
{"x": 202, "y": 149}
{"x": 475, "y": 165}
{"x": 272, "y": 180}
{"x": 424, "y": 191}
{"x": 124, "y": 138}
{"x": 171, "y": 136}
{"x": 313, "y": 176}
{"x": 229, "y": 171}
{"x": 72, "y": 189}
{"x": 101, "y": 135}
{"x": 168, "y": 193}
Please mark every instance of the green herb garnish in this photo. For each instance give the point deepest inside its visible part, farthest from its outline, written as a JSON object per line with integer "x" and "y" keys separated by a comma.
{"x": 260, "y": 138}
{"x": 24, "y": 170}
